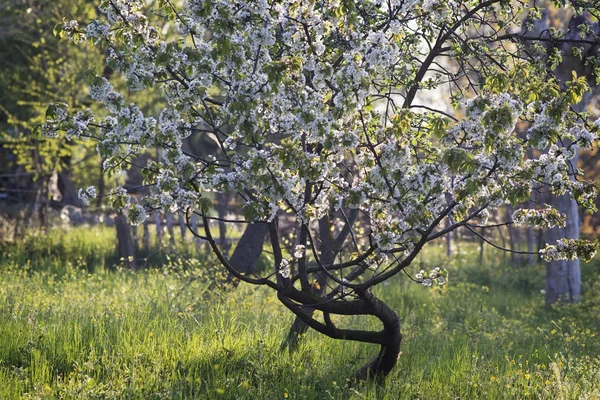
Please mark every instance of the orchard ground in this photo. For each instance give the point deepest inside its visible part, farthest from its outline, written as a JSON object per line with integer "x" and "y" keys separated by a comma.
{"x": 74, "y": 326}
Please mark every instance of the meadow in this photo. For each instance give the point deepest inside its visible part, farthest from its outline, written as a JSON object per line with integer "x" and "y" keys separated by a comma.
{"x": 75, "y": 325}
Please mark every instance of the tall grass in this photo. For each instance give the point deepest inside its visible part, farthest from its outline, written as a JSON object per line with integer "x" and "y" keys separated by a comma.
{"x": 175, "y": 332}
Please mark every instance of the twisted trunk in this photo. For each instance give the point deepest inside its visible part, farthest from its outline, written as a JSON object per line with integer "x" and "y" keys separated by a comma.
{"x": 329, "y": 250}
{"x": 389, "y": 338}
{"x": 383, "y": 363}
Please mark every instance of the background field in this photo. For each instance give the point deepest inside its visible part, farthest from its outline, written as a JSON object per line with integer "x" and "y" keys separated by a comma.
{"x": 74, "y": 325}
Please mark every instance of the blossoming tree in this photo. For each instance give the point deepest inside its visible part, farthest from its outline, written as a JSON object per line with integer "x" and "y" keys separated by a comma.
{"x": 321, "y": 115}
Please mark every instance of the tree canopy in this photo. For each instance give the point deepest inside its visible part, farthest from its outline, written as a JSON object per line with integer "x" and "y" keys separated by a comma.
{"x": 367, "y": 124}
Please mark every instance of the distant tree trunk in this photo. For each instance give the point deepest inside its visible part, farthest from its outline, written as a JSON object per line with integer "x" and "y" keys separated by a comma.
{"x": 223, "y": 200}
{"x": 448, "y": 239}
{"x": 182, "y": 227}
{"x": 126, "y": 249}
{"x": 146, "y": 237}
{"x": 531, "y": 246}
{"x": 248, "y": 249}
{"x": 511, "y": 236}
{"x": 135, "y": 237}
{"x": 481, "y": 248}
{"x": 35, "y": 206}
{"x": 159, "y": 229}
{"x": 194, "y": 223}
{"x": 170, "y": 229}
{"x": 563, "y": 278}
{"x": 101, "y": 188}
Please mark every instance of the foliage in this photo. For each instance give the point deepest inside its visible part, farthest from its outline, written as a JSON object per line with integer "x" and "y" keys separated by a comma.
{"x": 37, "y": 68}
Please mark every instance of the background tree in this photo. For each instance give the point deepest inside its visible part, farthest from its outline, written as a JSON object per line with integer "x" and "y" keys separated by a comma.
{"x": 37, "y": 68}
{"x": 316, "y": 110}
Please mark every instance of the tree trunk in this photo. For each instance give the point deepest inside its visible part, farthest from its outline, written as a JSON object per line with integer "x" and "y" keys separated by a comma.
{"x": 146, "y": 238}
{"x": 223, "y": 200}
{"x": 159, "y": 229}
{"x": 366, "y": 304}
{"x": 382, "y": 364}
{"x": 182, "y": 227}
{"x": 248, "y": 249}
{"x": 329, "y": 250}
{"x": 194, "y": 225}
{"x": 170, "y": 229}
{"x": 448, "y": 239}
{"x": 531, "y": 246}
{"x": 101, "y": 188}
{"x": 126, "y": 249}
{"x": 563, "y": 277}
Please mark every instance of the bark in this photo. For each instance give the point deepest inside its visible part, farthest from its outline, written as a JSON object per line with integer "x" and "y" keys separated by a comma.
{"x": 448, "y": 239}
{"x": 329, "y": 250}
{"x": 563, "y": 277}
{"x": 223, "y": 200}
{"x": 248, "y": 249}
{"x": 146, "y": 237}
{"x": 389, "y": 338}
{"x": 125, "y": 244}
{"x": 159, "y": 229}
{"x": 382, "y": 364}
{"x": 531, "y": 246}
{"x": 135, "y": 237}
{"x": 170, "y": 229}
{"x": 194, "y": 225}
{"x": 511, "y": 236}
{"x": 101, "y": 188}
{"x": 182, "y": 227}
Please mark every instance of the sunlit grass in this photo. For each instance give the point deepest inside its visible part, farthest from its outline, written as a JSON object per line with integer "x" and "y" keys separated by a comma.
{"x": 174, "y": 332}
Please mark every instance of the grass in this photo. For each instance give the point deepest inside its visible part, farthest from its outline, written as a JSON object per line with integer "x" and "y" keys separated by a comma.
{"x": 174, "y": 333}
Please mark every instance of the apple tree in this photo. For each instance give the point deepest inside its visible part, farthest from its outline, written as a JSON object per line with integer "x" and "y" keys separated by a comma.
{"x": 373, "y": 127}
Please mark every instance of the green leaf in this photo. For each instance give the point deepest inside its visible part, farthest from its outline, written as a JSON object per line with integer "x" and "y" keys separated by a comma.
{"x": 205, "y": 204}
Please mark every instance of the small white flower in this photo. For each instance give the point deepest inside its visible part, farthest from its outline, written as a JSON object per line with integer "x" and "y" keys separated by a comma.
{"x": 83, "y": 196}
{"x": 419, "y": 276}
{"x": 427, "y": 282}
{"x": 137, "y": 214}
{"x": 284, "y": 269}
{"x": 91, "y": 191}
{"x": 299, "y": 251}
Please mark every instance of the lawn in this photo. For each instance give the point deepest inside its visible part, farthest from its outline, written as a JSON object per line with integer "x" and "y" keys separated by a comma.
{"x": 73, "y": 325}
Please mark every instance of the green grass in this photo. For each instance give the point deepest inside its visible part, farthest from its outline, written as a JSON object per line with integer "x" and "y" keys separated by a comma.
{"x": 170, "y": 333}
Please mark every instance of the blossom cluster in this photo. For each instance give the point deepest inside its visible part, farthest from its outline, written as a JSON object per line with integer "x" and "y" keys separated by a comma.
{"x": 544, "y": 218}
{"x": 437, "y": 274}
{"x": 568, "y": 249}
{"x": 300, "y": 102}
